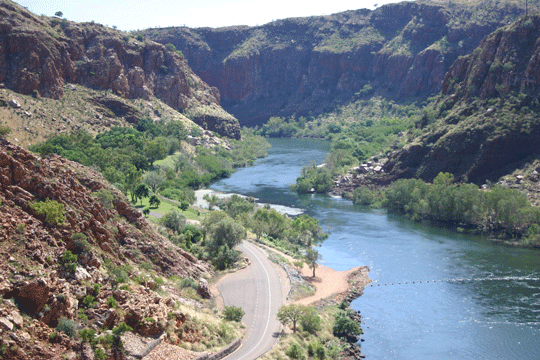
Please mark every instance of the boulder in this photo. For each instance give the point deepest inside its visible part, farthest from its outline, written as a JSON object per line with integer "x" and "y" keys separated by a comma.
{"x": 33, "y": 296}
{"x": 203, "y": 289}
{"x": 5, "y": 324}
{"x": 14, "y": 103}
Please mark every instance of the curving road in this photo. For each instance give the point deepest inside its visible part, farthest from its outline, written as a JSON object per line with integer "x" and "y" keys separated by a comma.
{"x": 257, "y": 290}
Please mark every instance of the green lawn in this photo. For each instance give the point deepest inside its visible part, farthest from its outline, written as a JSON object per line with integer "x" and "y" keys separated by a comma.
{"x": 167, "y": 206}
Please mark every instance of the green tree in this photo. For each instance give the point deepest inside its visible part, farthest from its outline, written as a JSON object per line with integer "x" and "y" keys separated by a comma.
{"x": 236, "y": 205}
{"x": 311, "y": 257}
{"x": 306, "y": 229}
{"x": 59, "y": 14}
{"x": 155, "y": 150}
{"x": 225, "y": 232}
{"x": 154, "y": 201}
{"x": 142, "y": 191}
{"x": 132, "y": 178}
{"x": 290, "y": 313}
{"x": 174, "y": 221}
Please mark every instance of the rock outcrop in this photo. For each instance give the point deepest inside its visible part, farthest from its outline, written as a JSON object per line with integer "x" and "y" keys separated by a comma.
{"x": 34, "y": 278}
{"x": 488, "y": 112}
{"x": 39, "y": 54}
{"x": 308, "y": 66}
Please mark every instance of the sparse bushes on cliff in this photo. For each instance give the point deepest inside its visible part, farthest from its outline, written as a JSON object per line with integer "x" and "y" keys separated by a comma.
{"x": 52, "y": 209}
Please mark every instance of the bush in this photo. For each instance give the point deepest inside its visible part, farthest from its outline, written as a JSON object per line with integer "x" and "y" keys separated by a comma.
{"x": 69, "y": 261}
{"x": 310, "y": 320}
{"x": 294, "y": 352}
{"x": 53, "y": 211}
{"x": 346, "y": 327}
{"x": 99, "y": 354}
{"x": 67, "y": 326}
{"x": 233, "y": 313}
{"x": 174, "y": 221}
{"x": 87, "y": 335}
{"x": 80, "y": 243}
{"x": 111, "y": 302}
{"x": 4, "y": 131}
{"x": 89, "y": 301}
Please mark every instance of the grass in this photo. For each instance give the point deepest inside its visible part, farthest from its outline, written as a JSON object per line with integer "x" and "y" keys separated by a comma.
{"x": 168, "y": 162}
{"x": 167, "y": 206}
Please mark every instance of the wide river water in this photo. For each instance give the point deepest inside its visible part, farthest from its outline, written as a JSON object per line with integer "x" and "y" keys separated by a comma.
{"x": 471, "y": 298}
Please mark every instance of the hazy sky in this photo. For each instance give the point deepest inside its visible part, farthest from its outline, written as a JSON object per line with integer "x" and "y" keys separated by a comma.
{"x": 142, "y": 14}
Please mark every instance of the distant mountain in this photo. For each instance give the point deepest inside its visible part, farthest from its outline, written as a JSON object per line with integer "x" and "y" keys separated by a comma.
{"x": 39, "y": 55}
{"x": 309, "y": 66}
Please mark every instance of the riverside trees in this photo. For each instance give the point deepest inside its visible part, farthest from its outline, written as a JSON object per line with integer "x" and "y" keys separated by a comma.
{"x": 495, "y": 209}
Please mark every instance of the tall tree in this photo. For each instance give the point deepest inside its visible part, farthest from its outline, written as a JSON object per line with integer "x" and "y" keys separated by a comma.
{"x": 311, "y": 257}
{"x": 290, "y": 313}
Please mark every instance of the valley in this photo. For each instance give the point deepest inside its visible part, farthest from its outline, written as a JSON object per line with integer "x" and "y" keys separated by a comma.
{"x": 400, "y": 140}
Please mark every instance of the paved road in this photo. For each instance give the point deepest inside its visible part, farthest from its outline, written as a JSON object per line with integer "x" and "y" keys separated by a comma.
{"x": 257, "y": 290}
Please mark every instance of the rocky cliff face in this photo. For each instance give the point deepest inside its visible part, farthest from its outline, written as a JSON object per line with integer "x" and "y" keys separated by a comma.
{"x": 39, "y": 54}
{"x": 489, "y": 123}
{"x": 305, "y": 66}
{"x": 35, "y": 283}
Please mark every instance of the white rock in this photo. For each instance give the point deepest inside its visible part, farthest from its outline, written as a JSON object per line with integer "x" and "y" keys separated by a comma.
{"x": 14, "y": 103}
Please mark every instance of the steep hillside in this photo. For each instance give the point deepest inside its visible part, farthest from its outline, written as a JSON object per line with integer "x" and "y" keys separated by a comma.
{"x": 76, "y": 255}
{"x": 40, "y": 55}
{"x": 311, "y": 66}
{"x": 488, "y": 113}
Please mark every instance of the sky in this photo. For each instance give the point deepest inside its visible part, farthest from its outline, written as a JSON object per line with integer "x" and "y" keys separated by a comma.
{"x": 143, "y": 14}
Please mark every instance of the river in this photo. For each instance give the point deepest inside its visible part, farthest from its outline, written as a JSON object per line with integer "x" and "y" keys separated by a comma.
{"x": 482, "y": 300}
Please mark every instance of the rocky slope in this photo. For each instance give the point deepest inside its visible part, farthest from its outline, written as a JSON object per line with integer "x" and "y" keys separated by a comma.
{"x": 310, "y": 66}
{"x": 488, "y": 112}
{"x": 39, "y": 55}
{"x": 114, "y": 242}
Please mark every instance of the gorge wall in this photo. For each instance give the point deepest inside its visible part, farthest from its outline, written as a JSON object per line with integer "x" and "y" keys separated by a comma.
{"x": 38, "y": 55}
{"x": 308, "y": 66}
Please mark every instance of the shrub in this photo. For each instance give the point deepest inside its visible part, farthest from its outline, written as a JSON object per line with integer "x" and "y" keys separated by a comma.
{"x": 4, "y": 131}
{"x": 87, "y": 335}
{"x": 99, "y": 354}
{"x": 111, "y": 302}
{"x": 294, "y": 352}
{"x": 96, "y": 289}
{"x": 105, "y": 198}
{"x": 53, "y": 336}
{"x": 89, "y": 301}
{"x": 67, "y": 326}
{"x": 233, "y": 313}
{"x": 310, "y": 320}
{"x": 346, "y": 327}
{"x": 69, "y": 261}
{"x": 53, "y": 211}
{"x": 80, "y": 243}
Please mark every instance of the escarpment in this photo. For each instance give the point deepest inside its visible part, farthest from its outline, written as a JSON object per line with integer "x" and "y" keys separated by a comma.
{"x": 310, "y": 66}
{"x": 38, "y": 55}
